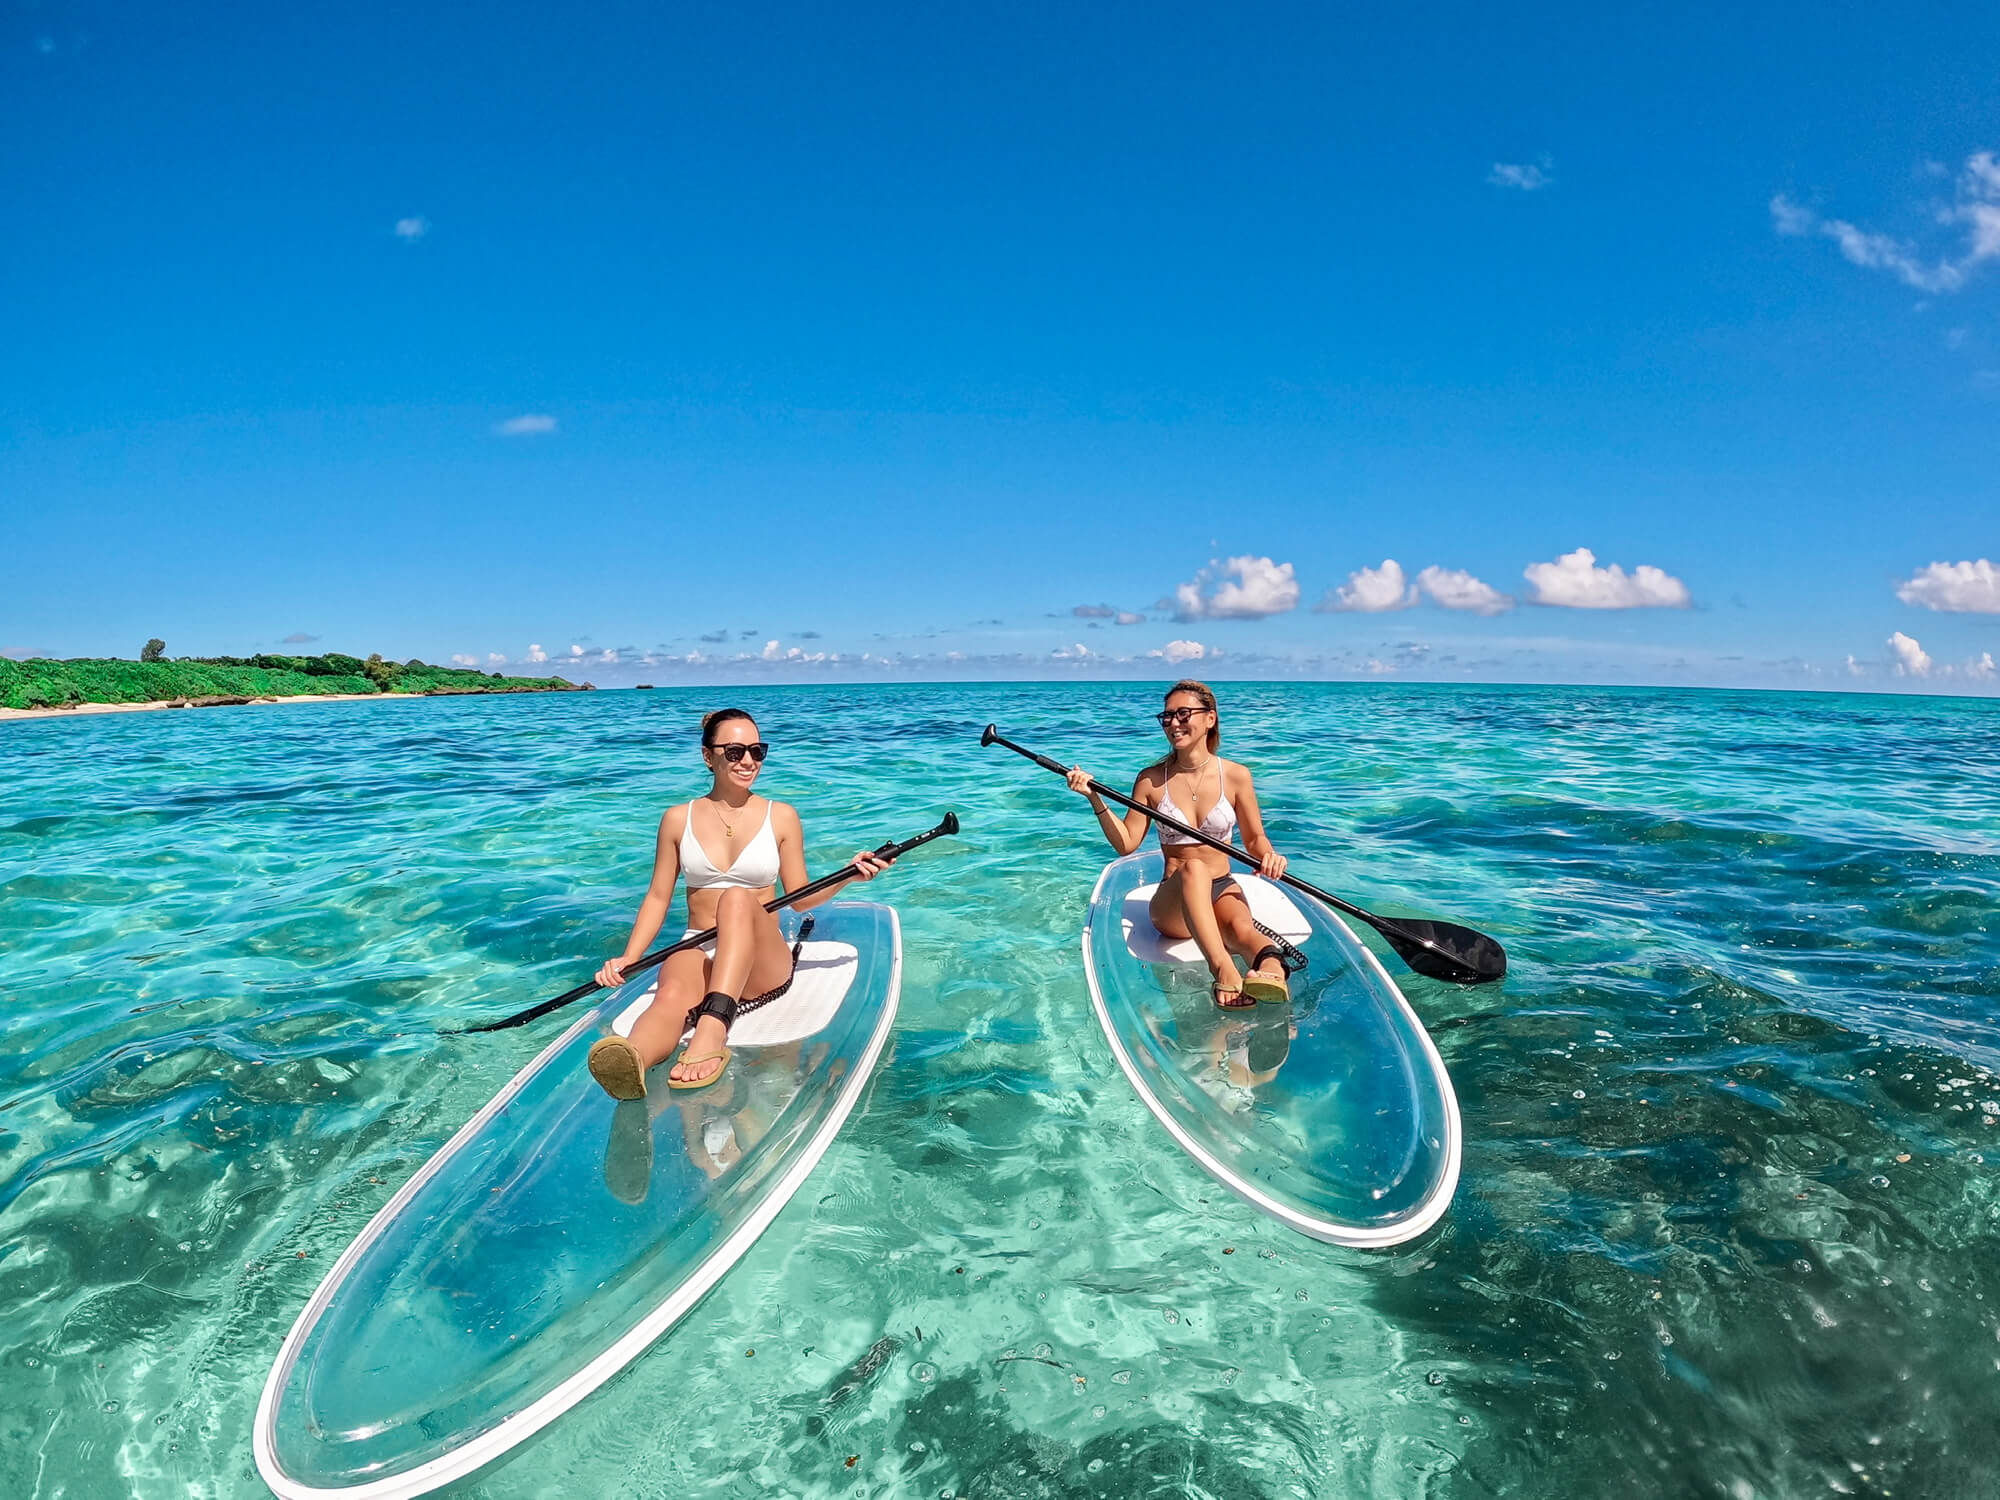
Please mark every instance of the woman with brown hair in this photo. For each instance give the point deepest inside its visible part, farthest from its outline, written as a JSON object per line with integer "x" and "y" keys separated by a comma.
{"x": 1197, "y": 897}
{"x": 736, "y": 849}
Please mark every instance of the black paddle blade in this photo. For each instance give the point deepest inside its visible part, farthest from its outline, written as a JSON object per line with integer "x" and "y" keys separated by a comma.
{"x": 1445, "y": 950}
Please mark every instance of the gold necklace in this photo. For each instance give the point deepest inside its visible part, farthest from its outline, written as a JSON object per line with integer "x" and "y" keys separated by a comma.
{"x": 728, "y": 828}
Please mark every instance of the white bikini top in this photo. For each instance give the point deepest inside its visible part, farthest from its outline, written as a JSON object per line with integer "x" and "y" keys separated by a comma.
{"x": 1221, "y": 819}
{"x": 755, "y": 868}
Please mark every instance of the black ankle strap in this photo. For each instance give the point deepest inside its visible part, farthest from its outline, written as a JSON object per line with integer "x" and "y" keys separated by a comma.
{"x": 714, "y": 1003}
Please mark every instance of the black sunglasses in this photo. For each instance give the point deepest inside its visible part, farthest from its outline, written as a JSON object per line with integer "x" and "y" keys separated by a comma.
{"x": 1168, "y": 716}
{"x": 756, "y": 750}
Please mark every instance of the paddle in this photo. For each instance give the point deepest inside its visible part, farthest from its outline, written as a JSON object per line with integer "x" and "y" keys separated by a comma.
{"x": 1440, "y": 950}
{"x": 949, "y": 824}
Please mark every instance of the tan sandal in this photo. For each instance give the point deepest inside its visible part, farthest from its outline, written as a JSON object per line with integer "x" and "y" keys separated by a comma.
{"x": 1270, "y": 989}
{"x": 618, "y": 1068}
{"x": 686, "y": 1061}
{"x": 1218, "y": 989}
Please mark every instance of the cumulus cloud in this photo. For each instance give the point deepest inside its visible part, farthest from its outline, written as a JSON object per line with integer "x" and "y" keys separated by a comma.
{"x": 1981, "y": 667}
{"x": 413, "y": 228}
{"x": 1958, "y": 588}
{"x": 1244, "y": 588}
{"x": 1975, "y": 208}
{"x": 1454, "y": 588}
{"x": 1178, "y": 651}
{"x": 575, "y": 651}
{"x": 1077, "y": 652}
{"x": 1575, "y": 581}
{"x": 1529, "y": 177}
{"x": 1855, "y": 668}
{"x": 459, "y": 659}
{"x": 1911, "y": 660}
{"x": 528, "y": 424}
{"x": 1128, "y": 617}
{"x": 771, "y": 651}
{"x": 536, "y": 653}
{"x": 298, "y": 638}
{"x": 495, "y": 659}
{"x": 1370, "y": 591}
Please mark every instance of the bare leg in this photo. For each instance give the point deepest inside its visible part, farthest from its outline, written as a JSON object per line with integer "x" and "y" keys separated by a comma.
{"x": 1239, "y": 929}
{"x": 658, "y": 1031}
{"x": 1184, "y": 902}
{"x": 750, "y": 950}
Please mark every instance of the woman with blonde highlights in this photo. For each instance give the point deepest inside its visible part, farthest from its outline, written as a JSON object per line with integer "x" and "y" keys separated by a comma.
{"x": 1197, "y": 896}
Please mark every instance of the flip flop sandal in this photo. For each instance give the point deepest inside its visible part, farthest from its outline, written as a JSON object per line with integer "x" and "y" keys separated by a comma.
{"x": 1269, "y": 989}
{"x": 685, "y": 1061}
{"x": 1217, "y": 990}
{"x": 619, "y": 1070}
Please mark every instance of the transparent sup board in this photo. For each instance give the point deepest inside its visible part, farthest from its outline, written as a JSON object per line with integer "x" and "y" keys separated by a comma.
{"x": 559, "y": 1233}
{"x": 1332, "y": 1113}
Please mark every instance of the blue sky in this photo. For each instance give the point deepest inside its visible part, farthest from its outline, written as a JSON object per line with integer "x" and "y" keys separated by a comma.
{"x": 674, "y": 333}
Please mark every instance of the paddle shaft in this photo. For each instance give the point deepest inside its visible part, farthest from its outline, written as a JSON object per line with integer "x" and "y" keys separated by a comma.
{"x": 1381, "y": 924}
{"x": 888, "y": 852}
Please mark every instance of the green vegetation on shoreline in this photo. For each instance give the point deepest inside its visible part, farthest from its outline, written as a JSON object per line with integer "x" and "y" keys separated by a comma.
{"x": 44, "y": 683}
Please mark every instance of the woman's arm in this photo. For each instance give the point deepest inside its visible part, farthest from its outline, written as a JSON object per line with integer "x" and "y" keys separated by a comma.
{"x": 1250, "y": 818}
{"x": 652, "y": 910}
{"x": 1123, "y": 834}
{"x": 792, "y": 858}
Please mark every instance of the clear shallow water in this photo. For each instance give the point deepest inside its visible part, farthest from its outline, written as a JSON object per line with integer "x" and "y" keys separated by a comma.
{"x": 1728, "y": 1218}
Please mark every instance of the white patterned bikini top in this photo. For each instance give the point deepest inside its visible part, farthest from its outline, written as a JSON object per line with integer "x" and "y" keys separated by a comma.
{"x": 755, "y": 868}
{"x": 1221, "y": 819}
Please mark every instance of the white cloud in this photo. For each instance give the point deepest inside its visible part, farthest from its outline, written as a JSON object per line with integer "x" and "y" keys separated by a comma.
{"x": 1981, "y": 667}
{"x": 1177, "y": 651}
{"x": 1454, "y": 588}
{"x": 1855, "y": 669}
{"x": 1128, "y": 617}
{"x": 575, "y": 651}
{"x": 1910, "y": 658}
{"x": 1077, "y": 652}
{"x": 413, "y": 228}
{"x": 608, "y": 656}
{"x": 771, "y": 651}
{"x": 1527, "y": 176}
{"x": 495, "y": 659}
{"x": 1377, "y": 668}
{"x": 1975, "y": 207}
{"x": 537, "y": 654}
{"x": 461, "y": 660}
{"x": 1371, "y": 591}
{"x": 1253, "y": 587}
{"x": 529, "y": 424}
{"x": 1574, "y": 581}
{"x": 1958, "y": 588}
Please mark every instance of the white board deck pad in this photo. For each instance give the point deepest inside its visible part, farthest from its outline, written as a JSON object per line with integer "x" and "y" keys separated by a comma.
{"x": 1268, "y": 904}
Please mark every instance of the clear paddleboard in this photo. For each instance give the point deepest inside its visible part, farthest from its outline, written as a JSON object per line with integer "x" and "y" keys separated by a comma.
{"x": 559, "y": 1233}
{"x": 1333, "y": 1113}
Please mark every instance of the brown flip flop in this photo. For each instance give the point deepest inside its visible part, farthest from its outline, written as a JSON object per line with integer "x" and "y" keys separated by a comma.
{"x": 619, "y": 1070}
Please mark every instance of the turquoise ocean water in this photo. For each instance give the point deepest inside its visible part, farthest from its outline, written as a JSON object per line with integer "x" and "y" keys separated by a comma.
{"x": 1729, "y": 1216}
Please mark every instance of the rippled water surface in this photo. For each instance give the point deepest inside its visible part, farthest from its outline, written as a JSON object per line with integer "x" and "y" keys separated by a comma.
{"x": 1728, "y": 1224}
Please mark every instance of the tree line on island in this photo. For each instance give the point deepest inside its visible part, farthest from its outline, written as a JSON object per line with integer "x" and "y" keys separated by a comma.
{"x": 42, "y": 682}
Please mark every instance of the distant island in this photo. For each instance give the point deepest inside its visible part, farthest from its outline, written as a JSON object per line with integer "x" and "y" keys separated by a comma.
{"x": 207, "y": 681}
